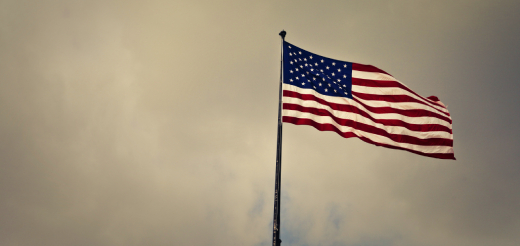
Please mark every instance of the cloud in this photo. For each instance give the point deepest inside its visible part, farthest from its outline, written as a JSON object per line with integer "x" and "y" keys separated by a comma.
{"x": 131, "y": 123}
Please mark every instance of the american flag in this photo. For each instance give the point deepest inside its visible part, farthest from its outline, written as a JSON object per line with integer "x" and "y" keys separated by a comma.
{"x": 356, "y": 100}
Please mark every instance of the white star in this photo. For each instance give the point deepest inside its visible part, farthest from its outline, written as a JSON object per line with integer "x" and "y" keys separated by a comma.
{"x": 296, "y": 69}
{"x": 289, "y": 47}
{"x": 316, "y": 64}
{"x": 323, "y": 79}
{"x": 300, "y": 59}
{"x": 303, "y": 75}
{"x": 319, "y": 84}
{"x": 335, "y": 91}
{"x": 310, "y": 57}
{"x": 291, "y": 71}
{"x": 313, "y": 78}
{"x": 291, "y": 62}
{"x": 303, "y": 83}
{"x": 333, "y": 64}
{"x": 321, "y": 70}
{"x": 307, "y": 72}
{"x": 327, "y": 67}
{"x": 333, "y": 74}
{"x": 301, "y": 66}
{"x": 325, "y": 90}
{"x": 290, "y": 54}
{"x": 344, "y": 86}
{"x": 312, "y": 69}
{"x": 345, "y": 65}
{"x": 339, "y": 80}
{"x": 344, "y": 76}
{"x": 346, "y": 93}
{"x": 291, "y": 80}
{"x": 300, "y": 52}
{"x": 297, "y": 78}
{"x": 339, "y": 70}
{"x": 322, "y": 61}
{"x": 305, "y": 59}
{"x": 306, "y": 64}
{"x": 329, "y": 85}
{"x": 314, "y": 87}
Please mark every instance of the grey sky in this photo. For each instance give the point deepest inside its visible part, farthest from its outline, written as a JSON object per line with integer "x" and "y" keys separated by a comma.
{"x": 154, "y": 123}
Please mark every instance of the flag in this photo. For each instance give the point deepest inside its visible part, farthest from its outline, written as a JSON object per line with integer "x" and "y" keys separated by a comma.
{"x": 363, "y": 101}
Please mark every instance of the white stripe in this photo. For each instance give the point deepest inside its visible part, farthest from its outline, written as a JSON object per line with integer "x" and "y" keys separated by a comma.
{"x": 387, "y": 90}
{"x": 372, "y": 75}
{"x": 347, "y": 101}
{"x": 371, "y": 136}
{"x": 393, "y": 91}
{"x": 339, "y": 100}
{"x": 361, "y": 119}
{"x": 388, "y": 116}
{"x": 400, "y": 105}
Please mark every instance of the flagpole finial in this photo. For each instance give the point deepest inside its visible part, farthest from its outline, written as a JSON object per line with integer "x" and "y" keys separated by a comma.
{"x": 282, "y": 33}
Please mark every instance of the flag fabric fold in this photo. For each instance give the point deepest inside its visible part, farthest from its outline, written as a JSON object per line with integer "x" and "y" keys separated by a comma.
{"x": 363, "y": 101}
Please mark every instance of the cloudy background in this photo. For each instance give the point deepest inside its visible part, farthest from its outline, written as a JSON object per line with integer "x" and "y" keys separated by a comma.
{"x": 154, "y": 123}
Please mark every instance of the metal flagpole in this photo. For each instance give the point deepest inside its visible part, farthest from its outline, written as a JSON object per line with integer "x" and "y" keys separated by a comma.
{"x": 278, "y": 178}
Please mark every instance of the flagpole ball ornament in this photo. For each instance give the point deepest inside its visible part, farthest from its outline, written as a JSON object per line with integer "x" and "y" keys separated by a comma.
{"x": 282, "y": 33}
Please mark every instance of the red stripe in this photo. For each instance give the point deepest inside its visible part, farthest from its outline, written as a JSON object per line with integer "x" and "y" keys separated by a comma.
{"x": 393, "y": 98}
{"x": 386, "y": 84}
{"x": 406, "y": 112}
{"x": 385, "y": 122}
{"x": 372, "y": 129}
{"x": 330, "y": 127}
{"x": 377, "y": 110}
{"x": 367, "y": 68}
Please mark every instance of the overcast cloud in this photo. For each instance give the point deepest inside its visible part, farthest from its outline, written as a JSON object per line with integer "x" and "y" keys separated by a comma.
{"x": 154, "y": 123}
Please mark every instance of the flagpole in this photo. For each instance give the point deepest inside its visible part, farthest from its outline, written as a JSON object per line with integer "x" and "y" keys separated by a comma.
{"x": 278, "y": 177}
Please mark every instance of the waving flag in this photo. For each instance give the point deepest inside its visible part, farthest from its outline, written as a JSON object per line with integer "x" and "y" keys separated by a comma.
{"x": 356, "y": 100}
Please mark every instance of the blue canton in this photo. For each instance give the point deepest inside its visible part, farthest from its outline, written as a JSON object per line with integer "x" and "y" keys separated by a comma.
{"x": 310, "y": 71}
